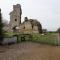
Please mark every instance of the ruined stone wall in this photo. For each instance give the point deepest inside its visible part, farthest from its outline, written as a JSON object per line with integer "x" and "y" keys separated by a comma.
{"x": 35, "y": 29}
{"x": 15, "y": 16}
{"x": 27, "y": 28}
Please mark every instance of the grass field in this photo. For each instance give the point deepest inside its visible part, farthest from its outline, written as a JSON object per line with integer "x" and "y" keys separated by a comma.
{"x": 10, "y": 34}
{"x": 49, "y": 38}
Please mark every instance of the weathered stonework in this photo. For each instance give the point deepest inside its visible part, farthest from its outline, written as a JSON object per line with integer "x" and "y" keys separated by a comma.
{"x": 15, "y": 16}
{"x": 28, "y": 26}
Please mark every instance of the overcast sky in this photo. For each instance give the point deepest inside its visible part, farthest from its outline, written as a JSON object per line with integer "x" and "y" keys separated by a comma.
{"x": 47, "y": 12}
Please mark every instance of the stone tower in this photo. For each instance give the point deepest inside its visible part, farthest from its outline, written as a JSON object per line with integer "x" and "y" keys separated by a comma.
{"x": 15, "y": 16}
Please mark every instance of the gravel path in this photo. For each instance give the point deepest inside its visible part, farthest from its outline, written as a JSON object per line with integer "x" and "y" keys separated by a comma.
{"x": 29, "y": 51}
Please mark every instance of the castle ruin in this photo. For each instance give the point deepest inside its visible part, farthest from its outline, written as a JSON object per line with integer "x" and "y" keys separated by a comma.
{"x": 28, "y": 26}
{"x": 15, "y": 16}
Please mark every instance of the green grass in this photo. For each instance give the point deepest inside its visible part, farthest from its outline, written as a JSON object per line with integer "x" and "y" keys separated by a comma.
{"x": 50, "y": 38}
{"x": 9, "y": 34}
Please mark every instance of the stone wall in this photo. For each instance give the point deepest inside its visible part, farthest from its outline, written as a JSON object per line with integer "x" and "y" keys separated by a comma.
{"x": 28, "y": 26}
{"x": 9, "y": 40}
{"x": 15, "y": 16}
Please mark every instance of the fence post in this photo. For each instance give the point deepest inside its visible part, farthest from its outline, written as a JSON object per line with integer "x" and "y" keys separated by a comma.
{"x": 58, "y": 38}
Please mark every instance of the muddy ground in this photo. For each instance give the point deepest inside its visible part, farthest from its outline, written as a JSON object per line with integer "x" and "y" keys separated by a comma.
{"x": 29, "y": 51}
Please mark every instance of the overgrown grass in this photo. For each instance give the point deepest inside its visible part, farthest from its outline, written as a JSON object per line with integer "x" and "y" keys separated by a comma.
{"x": 50, "y": 38}
{"x": 9, "y": 34}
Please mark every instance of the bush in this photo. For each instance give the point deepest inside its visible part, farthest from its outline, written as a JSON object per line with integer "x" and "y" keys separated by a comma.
{"x": 24, "y": 37}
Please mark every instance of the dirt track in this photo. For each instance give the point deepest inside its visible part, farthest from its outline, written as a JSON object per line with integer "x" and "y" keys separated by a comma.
{"x": 29, "y": 51}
